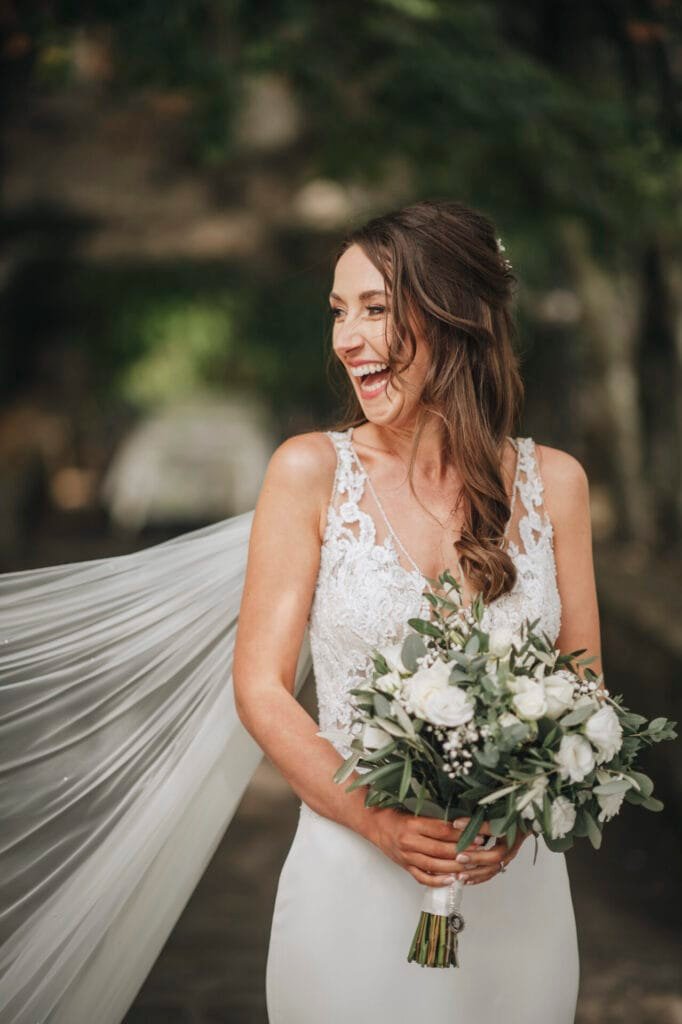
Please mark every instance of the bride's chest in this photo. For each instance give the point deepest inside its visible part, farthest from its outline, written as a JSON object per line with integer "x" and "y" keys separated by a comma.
{"x": 364, "y": 595}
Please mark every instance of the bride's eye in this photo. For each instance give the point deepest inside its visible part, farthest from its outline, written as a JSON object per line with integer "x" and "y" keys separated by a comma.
{"x": 333, "y": 311}
{"x": 375, "y": 310}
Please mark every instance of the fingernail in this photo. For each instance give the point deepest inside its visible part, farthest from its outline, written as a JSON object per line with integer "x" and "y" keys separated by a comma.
{"x": 459, "y": 822}
{"x": 478, "y": 840}
{"x": 463, "y": 878}
{"x": 462, "y": 858}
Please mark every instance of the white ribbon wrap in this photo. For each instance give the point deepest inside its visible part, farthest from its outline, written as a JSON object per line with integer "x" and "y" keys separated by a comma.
{"x": 445, "y": 899}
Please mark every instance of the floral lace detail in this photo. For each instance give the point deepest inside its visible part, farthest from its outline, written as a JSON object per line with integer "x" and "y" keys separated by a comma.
{"x": 364, "y": 595}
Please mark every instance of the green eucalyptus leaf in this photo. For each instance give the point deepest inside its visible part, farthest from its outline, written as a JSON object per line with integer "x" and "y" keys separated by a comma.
{"x": 577, "y": 716}
{"x": 593, "y": 830}
{"x": 382, "y": 705}
{"x": 473, "y": 644}
{"x": 413, "y": 648}
{"x": 645, "y": 785}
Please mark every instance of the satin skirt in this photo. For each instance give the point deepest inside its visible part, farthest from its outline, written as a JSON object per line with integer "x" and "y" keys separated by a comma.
{"x": 343, "y": 921}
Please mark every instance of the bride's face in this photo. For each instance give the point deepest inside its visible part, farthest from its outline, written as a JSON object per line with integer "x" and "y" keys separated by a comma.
{"x": 361, "y": 331}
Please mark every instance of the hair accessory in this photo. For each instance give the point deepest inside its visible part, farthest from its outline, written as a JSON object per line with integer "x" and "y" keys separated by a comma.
{"x": 502, "y": 248}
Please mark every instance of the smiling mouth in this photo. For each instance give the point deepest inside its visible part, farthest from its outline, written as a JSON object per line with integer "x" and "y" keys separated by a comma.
{"x": 372, "y": 383}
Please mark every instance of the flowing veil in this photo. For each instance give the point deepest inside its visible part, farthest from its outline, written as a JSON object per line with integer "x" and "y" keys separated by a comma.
{"x": 122, "y": 762}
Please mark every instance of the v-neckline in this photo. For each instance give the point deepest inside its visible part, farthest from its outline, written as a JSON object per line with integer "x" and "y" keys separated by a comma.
{"x": 392, "y": 533}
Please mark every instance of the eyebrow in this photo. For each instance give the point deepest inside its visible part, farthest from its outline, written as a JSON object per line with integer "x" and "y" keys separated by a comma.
{"x": 362, "y": 296}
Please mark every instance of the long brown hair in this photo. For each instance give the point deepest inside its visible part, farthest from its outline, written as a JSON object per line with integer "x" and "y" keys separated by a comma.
{"x": 446, "y": 275}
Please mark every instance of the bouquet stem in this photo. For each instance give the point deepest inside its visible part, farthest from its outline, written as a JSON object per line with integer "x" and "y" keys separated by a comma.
{"x": 440, "y": 922}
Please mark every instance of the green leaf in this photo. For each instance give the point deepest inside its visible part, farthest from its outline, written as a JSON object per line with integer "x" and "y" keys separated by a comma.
{"x": 378, "y": 755}
{"x": 488, "y": 757}
{"x": 656, "y": 724}
{"x": 593, "y": 830}
{"x": 580, "y": 827}
{"x": 458, "y": 675}
{"x": 558, "y": 845}
{"x": 652, "y": 804}
{"x": 492, "y": 797}
{"x": 511, "y": 832}
{"x": 404, "y": 719}
{"x": 471, "y": 830}
{"x": 425, "y": 628}
{"x": 615, "y": 786}
{"x": 577, "y": 716}
{"x": 382, "y": 705}
{"x": 546, "y": 813}
{"x": 473, "y": 645}
{"x": 645, "y": 785}
{"x": 392, "y": 728}
{"x": 344, "y": 770}
{"x": 383, "y": 771}
{"x": 427, "y": 808}
{"x": 498, "y": 826}
{"x": 413, "y": 648}
{"x": 406, "y": 778}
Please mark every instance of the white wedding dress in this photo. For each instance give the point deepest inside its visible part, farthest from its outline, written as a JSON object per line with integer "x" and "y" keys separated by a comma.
{"x": 345, "y": 914}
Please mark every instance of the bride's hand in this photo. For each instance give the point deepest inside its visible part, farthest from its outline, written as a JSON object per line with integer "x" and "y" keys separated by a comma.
{"x": 485, "y": 864}
{"x": 426, "y": 847}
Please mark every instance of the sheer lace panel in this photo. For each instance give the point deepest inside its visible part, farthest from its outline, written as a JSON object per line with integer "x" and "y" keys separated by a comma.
{"x": 367, "y": 587}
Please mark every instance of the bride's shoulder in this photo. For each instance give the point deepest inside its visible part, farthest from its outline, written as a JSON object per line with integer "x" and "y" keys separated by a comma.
{"x": 565, "y": 482}
{"x": 304, "y": 464}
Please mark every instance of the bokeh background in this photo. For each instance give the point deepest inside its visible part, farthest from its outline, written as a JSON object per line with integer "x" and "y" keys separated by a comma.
{"x": 175, "y": 178}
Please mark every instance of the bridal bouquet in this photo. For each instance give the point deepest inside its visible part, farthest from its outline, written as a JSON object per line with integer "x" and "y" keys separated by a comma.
{"x": 458, "y": 721}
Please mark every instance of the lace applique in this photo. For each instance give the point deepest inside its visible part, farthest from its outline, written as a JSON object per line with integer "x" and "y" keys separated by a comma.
{"x": 364, "y": 595}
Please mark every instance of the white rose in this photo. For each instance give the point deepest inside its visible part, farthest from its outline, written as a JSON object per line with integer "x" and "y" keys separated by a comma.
{"x": 391, "y": 654}
{"x": 373, "y": 738}
{"x": 530, "y": 702}
{"x": 448, "y": 706}
{"x": 559, "y": 692}
{"x": 429, "y": 695}
{"x": 390, "y": 682}
{"x": 500, "y": 641}
{"x": 609, "y": 803}
{"x": 534, "y": 792}
{"x": 563, "y": 817}
{"x": 574, "y": 757}
{"x": 517, "y": 684}
{"x": 604, "y": 730}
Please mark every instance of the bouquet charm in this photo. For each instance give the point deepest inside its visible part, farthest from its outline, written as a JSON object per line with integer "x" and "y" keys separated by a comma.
{"x": 498, "y": 726}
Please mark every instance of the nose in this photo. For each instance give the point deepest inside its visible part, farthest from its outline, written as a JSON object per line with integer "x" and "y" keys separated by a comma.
{"x": 348, "y": 337}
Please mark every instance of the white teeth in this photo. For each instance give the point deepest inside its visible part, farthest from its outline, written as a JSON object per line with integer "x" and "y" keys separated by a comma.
{"x": 360, "y": 371}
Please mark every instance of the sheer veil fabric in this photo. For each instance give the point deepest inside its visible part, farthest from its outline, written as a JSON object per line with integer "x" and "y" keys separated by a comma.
{"x": 119, "y": 741}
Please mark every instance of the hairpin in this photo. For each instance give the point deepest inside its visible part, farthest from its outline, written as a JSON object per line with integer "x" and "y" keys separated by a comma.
{"x": 502, "y": 248}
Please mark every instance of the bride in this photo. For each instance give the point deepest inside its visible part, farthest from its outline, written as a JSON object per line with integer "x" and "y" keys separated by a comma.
{"x": 351, "y": 527}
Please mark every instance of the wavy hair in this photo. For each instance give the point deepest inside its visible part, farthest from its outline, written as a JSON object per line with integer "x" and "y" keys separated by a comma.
{"x": 447, "y": 279}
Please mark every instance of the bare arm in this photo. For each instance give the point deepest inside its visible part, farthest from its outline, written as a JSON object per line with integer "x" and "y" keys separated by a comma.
{"x": 567, "y": 502}
{"x": 281, "y": 574}
{"x": 282, "y": 567}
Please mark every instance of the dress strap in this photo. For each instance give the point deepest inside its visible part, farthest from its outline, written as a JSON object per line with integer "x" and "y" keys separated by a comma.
{"x": 346, "y": 480}
{"x": 529, "y": 479}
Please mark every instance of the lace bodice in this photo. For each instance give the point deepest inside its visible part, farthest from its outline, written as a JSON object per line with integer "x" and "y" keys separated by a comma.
{"x": 364, "y": 594}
